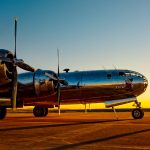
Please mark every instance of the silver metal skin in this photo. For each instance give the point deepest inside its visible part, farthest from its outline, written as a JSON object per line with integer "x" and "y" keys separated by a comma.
{"x": 45, "y": 89}
{"x": 38, "y": 89}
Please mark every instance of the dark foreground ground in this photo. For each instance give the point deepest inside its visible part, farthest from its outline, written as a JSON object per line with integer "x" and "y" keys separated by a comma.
{"x": 75, "y": 130}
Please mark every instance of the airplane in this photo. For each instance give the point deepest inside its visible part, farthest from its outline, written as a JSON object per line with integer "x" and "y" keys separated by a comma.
{"x": 45, "y": 89}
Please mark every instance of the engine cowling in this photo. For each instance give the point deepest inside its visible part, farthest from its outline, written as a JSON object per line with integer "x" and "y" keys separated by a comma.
{"x": 4, "y": 74}
{"x": 43, "y": 84}
{"x": 5, "y": 67}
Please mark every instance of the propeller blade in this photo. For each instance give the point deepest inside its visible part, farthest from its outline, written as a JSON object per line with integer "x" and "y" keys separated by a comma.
{"x": 58, "y": 97}
{"x": 58, "y": 60}
{"x": 18, "y": 62}
{"x": 15, "y": 36}
{"x": 24, "y": 66}
{"x": 14, "y": 72}
{"x": 58, "y": 84}
{"x": 14, "y": 88}
{"x": 51, "y": 76}
{"x": 62, "y": 81}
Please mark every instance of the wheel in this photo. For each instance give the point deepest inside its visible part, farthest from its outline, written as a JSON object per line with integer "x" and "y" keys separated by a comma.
{"x": 38, "y": 111}
{"x": 45, "y": 112}
{"x": 137, "y": 113}
{"x": 3, "y": 112}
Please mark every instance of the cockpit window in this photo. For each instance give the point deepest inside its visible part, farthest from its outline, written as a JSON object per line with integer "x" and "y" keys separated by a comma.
{"x": 121, "y": 74}
{"x": 108, "y": 76}
{"x": 133, "y": 74}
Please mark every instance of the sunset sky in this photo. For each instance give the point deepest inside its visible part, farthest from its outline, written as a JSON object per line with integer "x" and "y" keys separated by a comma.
{"x": 91, "y": 34}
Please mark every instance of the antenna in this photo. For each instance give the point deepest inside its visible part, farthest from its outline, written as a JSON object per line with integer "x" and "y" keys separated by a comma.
{"x": 104, "y": 67}
{"x": 114, "y": 66}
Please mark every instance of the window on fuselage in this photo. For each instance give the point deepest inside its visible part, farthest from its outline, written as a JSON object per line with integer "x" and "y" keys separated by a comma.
{"x": 128, "y": 74}
{"x": 108, "y": 76}
{"x": 121, "y": 74}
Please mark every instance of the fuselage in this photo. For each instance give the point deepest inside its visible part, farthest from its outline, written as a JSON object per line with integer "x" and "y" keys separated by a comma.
{"x": 83, "y": 86}
{"x": 45, "y": 88}
{"x": 37, "y": 88}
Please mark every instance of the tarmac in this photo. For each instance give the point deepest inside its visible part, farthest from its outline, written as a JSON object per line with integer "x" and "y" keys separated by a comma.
{"x": 75, "y": 131}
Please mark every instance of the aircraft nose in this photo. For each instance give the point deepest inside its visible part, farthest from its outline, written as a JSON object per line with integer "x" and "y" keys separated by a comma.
{"x": 145, "y": 82}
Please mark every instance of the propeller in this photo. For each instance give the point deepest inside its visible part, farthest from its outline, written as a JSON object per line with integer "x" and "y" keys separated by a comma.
{"x": 14, "y": 73}
{"x": 58, "y": 81}
{"x": 16, "y": 62}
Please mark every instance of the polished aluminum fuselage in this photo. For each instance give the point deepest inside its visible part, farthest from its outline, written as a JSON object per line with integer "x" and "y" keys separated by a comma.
{"x": 83, "y": 87}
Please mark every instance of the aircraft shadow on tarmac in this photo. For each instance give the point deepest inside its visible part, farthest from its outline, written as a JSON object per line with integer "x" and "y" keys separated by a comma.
{"x": 61, "y": 125}
{"x": 75, "y": 145}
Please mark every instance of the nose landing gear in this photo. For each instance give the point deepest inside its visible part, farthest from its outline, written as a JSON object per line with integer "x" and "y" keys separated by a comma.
{"x": 137, "y": 113}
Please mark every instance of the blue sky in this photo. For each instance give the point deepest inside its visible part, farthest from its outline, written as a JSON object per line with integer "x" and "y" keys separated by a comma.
{"x": 91, "y": 34}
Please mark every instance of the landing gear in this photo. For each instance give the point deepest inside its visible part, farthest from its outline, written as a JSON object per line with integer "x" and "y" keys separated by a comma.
{"x": 137, "y": 113}
{"x": 40, "y": 111}
{"x": 3, "y": 112}
{"x": 115, "y": 113}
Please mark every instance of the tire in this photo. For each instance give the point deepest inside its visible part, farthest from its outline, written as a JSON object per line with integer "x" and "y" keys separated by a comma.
{"x": 38, "y": 111}
{"x": 3, "y": 112}
{"x": 137, "y": 113}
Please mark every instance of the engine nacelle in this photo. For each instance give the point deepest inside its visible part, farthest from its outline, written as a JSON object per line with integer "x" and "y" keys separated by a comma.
{"x": 43, "y": 85}
{"x": 5, "y": 67}
{"x": 4, "y": 74}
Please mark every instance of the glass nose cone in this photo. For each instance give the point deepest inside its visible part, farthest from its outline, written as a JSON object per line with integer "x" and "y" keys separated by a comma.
{"x": 145, "y": 82}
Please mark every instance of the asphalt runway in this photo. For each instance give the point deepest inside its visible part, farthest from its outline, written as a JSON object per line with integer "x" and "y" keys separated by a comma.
{"x": 75, "y": 131}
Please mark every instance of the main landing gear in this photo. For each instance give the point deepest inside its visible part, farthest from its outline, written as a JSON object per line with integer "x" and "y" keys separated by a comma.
{"x": 137, "y": 113}
{"x": 40, "y": 111}
{"x": 3, "y": 112}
